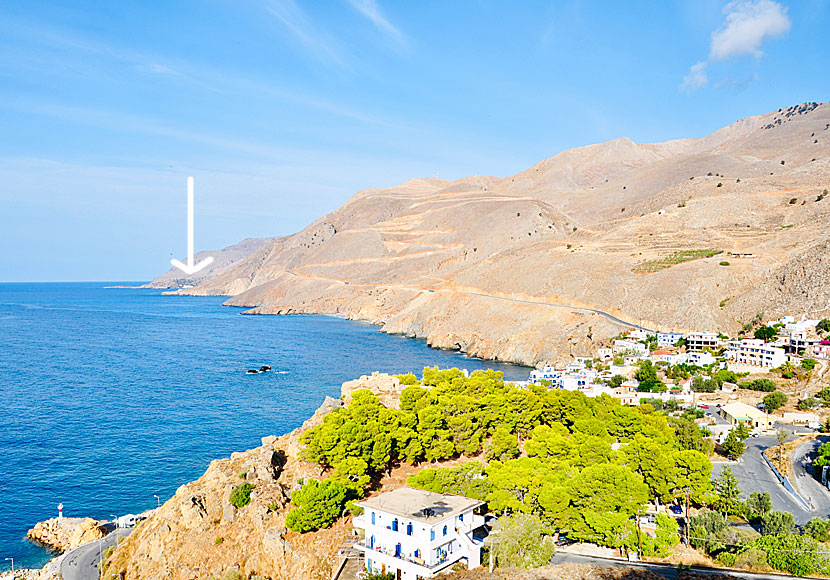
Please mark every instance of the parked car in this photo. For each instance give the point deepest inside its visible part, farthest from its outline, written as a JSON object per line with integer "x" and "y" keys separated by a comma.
{"x": 704, "y": 406}
{"x": 676, "y": 510}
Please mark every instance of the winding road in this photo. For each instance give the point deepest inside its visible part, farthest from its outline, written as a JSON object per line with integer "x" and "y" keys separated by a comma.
{"x": 806, "y": 480}
{"x": 607, "y": 315}
{"x": 754, "y": 475}
{"x": 82, "y": 562}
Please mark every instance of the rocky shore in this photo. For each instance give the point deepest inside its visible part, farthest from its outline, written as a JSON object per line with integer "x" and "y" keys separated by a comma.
{"x": 64, "y": 534}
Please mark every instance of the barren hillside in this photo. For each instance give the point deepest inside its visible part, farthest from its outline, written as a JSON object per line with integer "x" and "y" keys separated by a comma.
{"x": 516, "y": 268}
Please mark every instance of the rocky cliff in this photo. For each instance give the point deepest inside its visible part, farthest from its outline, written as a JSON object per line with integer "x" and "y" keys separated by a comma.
{"x": 533, "y": 267}
{"x": 198, "y": 533}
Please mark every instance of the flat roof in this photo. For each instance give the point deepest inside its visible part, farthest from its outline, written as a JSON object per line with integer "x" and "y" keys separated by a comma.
{"x": 743, "y": 411}
{"x": 420, "y": 505}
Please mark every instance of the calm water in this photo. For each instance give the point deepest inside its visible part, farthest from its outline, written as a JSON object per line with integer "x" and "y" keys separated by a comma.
{"x": 110, "y": 396}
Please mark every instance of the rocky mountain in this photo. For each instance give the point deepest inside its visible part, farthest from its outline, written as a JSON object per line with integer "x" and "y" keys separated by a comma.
{"x": 222, "y": 260}
{"x": 530, "y": 268}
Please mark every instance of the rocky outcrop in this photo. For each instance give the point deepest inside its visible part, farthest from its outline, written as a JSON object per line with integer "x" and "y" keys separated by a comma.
{"x": 199, "y": 533}
{"x": 386, "y": 387}
{"x": 64, "y": 534}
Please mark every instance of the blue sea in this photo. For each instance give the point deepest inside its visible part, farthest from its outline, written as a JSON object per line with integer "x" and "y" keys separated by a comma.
{"x": 111, "y": 396}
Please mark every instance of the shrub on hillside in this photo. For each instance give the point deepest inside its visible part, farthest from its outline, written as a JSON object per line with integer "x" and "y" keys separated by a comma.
{"x": 241, "y": 495}
{"x": 319, "y": 504}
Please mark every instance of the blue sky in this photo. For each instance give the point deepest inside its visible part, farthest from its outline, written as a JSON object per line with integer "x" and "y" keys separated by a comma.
{"x": 282, "y": 109}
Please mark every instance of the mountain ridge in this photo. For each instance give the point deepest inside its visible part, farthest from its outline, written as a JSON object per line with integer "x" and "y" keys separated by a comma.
{"x": 509, "y": 267}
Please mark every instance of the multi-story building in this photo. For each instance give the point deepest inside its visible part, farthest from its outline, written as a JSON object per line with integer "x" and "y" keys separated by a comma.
{"x": 668, "y": 338}
{"x": 701, "y": 340}
{"x": 756, "y": 353}
{"x": 417, "y": 534}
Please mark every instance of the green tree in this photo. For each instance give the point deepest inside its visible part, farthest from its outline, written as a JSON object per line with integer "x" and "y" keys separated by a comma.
{"x": 467, "y": 479}
{"x": 604, "y": 498}
{"x": 775, "y": 522}
{"x": 758, "y": 505}
{"x": 808, "y": 363}
{"x": 666, "y": 536}
{"x": 733, "y": 446}
{"x": 521, "y": 541}
{"x": 616, "y": 381}
{"x": 775, "y": 401}
{"x": 817, "y": 528}
{"x": 766, "y": 385}
{"x": 701, "y": 385}
{"x": 808, "y": 404}
{"x": 799, "y": 555}
{"x": 692, "y": 472}
{"x": 646, "y": 371}
{"x": 503, "y": 445}
{"x": 766, "y": 333}
{"x": 823, "y": 325}
{"x": 726, "y": 487}
{"x": 319, "y": 504}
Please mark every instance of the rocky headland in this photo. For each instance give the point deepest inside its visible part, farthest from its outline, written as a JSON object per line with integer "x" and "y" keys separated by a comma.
{"x": 64, "y": 534}
{"x": 199, "y": 533}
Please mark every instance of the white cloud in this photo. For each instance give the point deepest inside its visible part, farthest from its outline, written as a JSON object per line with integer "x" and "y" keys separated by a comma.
{"x": 371, "y": 10}
{"x": 747, "y": 24}
{"x": 696, "y": 78}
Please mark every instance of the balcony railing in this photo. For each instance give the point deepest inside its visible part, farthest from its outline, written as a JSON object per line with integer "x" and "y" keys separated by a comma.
{"x": 445, "y": 557}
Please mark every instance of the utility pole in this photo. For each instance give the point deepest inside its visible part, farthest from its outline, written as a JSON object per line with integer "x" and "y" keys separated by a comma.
{"x": 687, "y": 516}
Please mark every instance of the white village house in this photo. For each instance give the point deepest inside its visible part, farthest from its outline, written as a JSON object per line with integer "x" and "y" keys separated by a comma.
{"x": 665, "y": 339}
{"x": 417, "y": 534}
{"x": 756, "y": 353}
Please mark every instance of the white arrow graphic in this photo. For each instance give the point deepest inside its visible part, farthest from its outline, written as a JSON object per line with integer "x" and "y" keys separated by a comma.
{"x": 190, "y": 268}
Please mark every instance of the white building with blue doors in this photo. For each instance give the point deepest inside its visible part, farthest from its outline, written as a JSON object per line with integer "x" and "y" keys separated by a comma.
{"x": 417, "y": 534}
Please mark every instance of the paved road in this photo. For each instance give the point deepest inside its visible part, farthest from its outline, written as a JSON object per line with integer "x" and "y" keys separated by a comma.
{"x": 754, "y": 475}
{"x": 668, "y": 571}
{"x": 807, "y": 479}
{"x": 82, "y": 562}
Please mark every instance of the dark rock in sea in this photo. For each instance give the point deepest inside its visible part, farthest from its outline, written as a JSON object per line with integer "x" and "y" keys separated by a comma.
{"x": 252, "y": 372}
{"x": 264, "y": 368}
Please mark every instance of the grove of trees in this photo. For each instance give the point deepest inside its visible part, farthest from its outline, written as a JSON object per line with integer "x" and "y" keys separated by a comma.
{"x": 582, "y": 466}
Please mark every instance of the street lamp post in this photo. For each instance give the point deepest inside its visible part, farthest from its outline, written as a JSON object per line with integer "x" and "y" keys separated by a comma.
{"x": 12, "y": 559}
{"x": 158, "y": 501}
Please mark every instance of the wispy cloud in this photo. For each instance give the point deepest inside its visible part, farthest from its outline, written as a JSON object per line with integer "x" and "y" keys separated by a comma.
{"x": 696, "y": 78}
{"x": 158, "y": 69}
{"x": 313, "y": 39}
{"x": 126, "y": 123}
{"x": 371, "y": 10}
{"x": 746, "y": 26}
